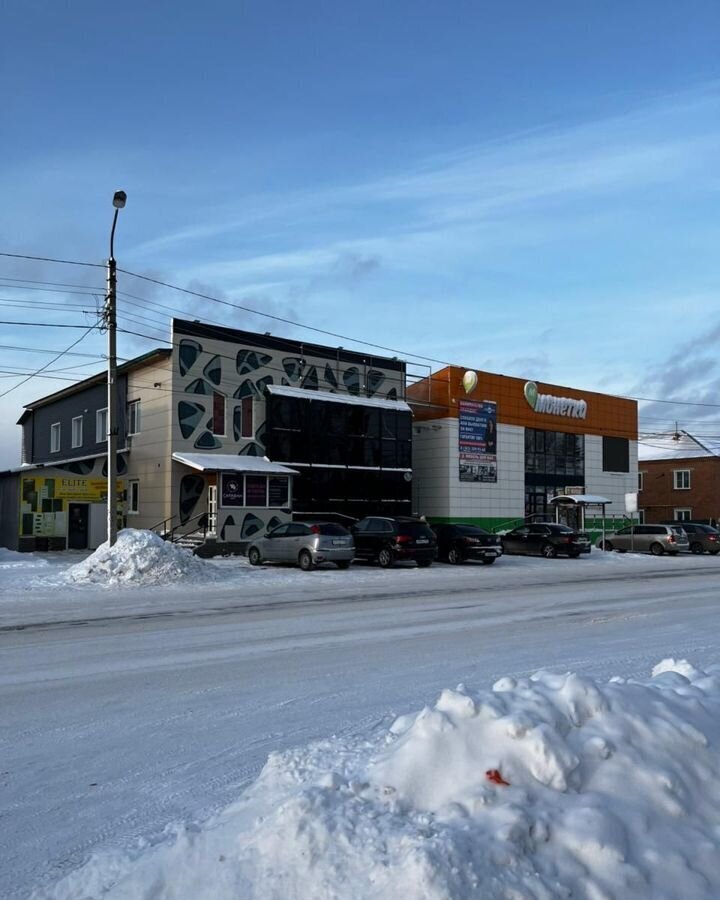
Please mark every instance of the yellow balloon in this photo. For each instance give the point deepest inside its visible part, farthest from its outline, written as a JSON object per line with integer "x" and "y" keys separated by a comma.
{"x": 470, "y": 381}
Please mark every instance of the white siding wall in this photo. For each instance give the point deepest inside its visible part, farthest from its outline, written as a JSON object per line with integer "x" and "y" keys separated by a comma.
{"x": 613, "y": 485}
{"x": 150, "y": 450}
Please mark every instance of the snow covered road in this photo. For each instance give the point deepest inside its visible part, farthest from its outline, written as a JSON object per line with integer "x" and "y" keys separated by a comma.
{"x": 124, "y": 709}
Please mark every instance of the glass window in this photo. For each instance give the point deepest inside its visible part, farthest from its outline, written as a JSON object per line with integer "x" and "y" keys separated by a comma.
{"x": 681, "y": 479}
{"x": 255, "y": 490}
{"x": 55, "y": 437}
{"x": 218, "y": 416}
{"x": 77, "y": 431}
{"x": 101, "y": 426}
{"x": 616, "y": 454}
{"x": 641, "y": 480}
{"x": 247, "y": 417}
{"x": 133, "y": 497}
{"x": 278, "y": 491}
{"x": 682, "y": 515}
{"x": 133, "y": 417}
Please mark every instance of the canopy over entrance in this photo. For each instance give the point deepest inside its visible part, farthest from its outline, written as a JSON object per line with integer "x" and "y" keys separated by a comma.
{"x": 581, "y": 502}
{"x": 226, "y": 462}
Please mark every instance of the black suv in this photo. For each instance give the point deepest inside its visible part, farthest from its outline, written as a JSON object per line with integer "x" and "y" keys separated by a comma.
{"x": 546, "y": 539}
{"x": 458, "y": 543}
{"x": 387, "y": 540}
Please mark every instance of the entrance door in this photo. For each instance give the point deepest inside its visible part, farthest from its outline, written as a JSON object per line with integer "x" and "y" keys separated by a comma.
{"x": 212, "y": 508}
{"x": 78, "y": 526}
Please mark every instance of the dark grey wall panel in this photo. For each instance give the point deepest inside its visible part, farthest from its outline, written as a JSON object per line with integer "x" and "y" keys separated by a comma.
{"x": 9, "y": 511}
{"x": 85, "y": 403}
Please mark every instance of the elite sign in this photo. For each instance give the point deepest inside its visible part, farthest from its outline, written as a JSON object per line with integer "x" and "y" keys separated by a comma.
{"x": 554, "y": 406}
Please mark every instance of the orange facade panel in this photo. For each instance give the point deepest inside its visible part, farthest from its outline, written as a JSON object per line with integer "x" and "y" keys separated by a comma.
{"x": 587, "y": 412}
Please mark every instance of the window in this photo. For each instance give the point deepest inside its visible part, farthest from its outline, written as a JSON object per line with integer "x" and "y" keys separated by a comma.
{"x": 77, "y": 428}
{"x": 683, "y": 514}
{"x": 641, "y": 481}
{"x": 133, "y": 417}
{"x": 55, "y": 437}
{"x": 218, "y": 417}
{"x": 681, "y": 479}
{"x": 255, "y": 490}
{"x": 246, "y": 428}
{"x": 278, "y": 491}
{"x": 616, "y": 454}
{"x": 641, "y": 516}
{"x": 133, "y": 497}
{"x": 101, "y": 425}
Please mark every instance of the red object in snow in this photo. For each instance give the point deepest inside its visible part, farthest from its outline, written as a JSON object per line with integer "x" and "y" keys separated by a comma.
{"x": 495, "y": 777}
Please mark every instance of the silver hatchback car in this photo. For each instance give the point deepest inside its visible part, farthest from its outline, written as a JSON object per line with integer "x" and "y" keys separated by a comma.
{"x": 655, "y": 539}
{"x": 304, "y": 545}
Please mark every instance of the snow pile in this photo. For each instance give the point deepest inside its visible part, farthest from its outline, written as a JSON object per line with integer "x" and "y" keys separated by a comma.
{"x": 547, "y": 787}
{"x": 141, "y": 557}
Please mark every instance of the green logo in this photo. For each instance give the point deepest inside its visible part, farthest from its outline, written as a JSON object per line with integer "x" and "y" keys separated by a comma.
{"x": 531, "y": 393}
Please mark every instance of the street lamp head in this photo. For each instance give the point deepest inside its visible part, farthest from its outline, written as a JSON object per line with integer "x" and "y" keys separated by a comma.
{"x": 120, "y": 199}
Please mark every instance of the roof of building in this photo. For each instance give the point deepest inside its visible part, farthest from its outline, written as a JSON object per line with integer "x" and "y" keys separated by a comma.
{"x": 99, "y": 378}
{"x": 377, "y": 402}
{"x": 227, "y": 462}
{"x": 673, "y": 445}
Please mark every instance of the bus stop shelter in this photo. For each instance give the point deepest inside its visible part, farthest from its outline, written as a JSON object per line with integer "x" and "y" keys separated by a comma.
{"x": 582, "y": 502}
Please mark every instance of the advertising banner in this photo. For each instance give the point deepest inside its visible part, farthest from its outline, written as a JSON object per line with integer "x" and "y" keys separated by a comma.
{"x": 231, "y": 491}
{"x": 477, "y": 440}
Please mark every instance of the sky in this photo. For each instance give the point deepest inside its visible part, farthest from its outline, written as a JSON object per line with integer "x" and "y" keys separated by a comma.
{"x": 522, "y": 188}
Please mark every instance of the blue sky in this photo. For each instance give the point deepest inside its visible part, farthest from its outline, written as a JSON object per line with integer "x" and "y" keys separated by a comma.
{"x": 524, "y": 188}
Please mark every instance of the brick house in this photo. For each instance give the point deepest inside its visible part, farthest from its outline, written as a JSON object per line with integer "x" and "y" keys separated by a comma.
{"x": 679, "y": 479}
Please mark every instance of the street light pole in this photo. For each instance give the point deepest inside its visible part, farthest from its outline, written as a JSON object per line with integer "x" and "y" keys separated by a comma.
{"x": 119, "y": 201}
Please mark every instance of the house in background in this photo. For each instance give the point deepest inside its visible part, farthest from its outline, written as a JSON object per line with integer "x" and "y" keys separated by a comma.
{"x": 226, "y": 434}
{"x": 678, "y": 479}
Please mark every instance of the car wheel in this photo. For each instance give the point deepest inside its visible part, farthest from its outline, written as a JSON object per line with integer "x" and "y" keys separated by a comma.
{"x": 548, "y": 550}
{"x": 343, "y": 564}
{"x": 488, "y": 560}
{"x": 607, "y": 545}
{"x": 657, "y": 549}
{"x": 305, "y": 560}
{"x": 385, "y": 558}
{"x": 424, "y": 563}
{"x": 254, "y": 557}
{"x": 696, "y": 547}
{"x": 453, "y": 556}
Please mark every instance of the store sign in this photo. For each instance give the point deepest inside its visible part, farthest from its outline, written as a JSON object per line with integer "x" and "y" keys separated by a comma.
{"x": 231, "y": 492}
{"x": 554, "y": 406}
{"x": 477, "y": 440}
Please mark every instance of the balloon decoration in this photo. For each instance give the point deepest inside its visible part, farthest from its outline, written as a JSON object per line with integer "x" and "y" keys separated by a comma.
{"x": 470, "y": 381}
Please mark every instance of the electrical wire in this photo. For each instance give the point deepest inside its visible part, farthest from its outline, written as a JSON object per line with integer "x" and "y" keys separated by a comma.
{"x": 67, "y": 262}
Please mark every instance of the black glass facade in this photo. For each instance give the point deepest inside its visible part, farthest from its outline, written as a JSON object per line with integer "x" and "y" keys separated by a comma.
{"x": 554, "y": 460}
{"x": 347, "y": 454}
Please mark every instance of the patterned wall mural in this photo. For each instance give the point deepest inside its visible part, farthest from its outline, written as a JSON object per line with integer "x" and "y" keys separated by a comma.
{"x": 206, "y": 367}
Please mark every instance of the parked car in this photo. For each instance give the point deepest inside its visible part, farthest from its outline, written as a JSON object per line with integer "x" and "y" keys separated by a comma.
{"x": 702, "y": 538}
{"x": 547, "y": 539}
{"x": 459, "y": 543}
{"x": 656, "y": 539}
{"x": 306, "y": 545}
{"x": 387, "y": 540}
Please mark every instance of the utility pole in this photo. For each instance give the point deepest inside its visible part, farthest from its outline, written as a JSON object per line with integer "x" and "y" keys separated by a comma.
{"x": 119, "y": 201}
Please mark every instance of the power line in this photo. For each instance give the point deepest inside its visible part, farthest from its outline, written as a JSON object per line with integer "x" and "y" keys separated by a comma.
{"x": 67, "y": 262}
{"x": 54, "y": 359}
{"x": 342, "y": 337}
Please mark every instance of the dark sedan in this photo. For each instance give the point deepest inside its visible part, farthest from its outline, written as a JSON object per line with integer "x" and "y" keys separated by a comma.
{"x": 459, "y": 543}
{"x": 546, "y": 539}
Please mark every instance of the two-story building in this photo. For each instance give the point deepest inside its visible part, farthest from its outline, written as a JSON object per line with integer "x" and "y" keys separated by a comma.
{"x": 679, "y": 479}
{"x": 227, "y": 432}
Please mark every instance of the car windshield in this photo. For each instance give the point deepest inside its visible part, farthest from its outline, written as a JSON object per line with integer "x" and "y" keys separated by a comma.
{"x": 561, "y": 529}
{"x": 677, "y": 529}
{"x": 470, "y": 530}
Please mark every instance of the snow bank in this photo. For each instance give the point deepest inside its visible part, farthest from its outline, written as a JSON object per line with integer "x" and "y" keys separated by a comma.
{"x": 141, "y": 557}
{"x": 547, "y": 787}
{"x": 12, "y": 559}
